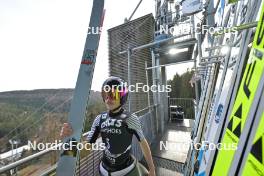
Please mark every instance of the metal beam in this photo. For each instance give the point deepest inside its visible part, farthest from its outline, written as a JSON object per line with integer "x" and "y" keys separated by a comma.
{"x": 210, "y": 57}
{"x": 146, "y": 64}
{"x": 148, "y": 68}
{"x": 153, "y": 43}
{"x": 134, "y": 11}
{"x": 236, "y": 28}
{"x": 186, "y": 43}
{"x": 217, "y": 47}
{"x": 128, "y": 75}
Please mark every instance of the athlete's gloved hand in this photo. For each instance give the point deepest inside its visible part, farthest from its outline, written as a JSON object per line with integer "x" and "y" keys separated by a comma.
{"x": 66, "y": 130}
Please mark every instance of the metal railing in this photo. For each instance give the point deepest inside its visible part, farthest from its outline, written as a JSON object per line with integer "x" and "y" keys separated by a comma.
{"x": 147, "y": 124}
{"x": 175, "y": 20}
{"x": 89, "y": 165}
{"x": 40, "y": 154}
{"x": 188, "y": 105}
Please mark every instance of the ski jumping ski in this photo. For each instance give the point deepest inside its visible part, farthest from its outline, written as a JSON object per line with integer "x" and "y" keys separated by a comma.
{"x": 242, "y": 114}
{"x": 68, "y": 158}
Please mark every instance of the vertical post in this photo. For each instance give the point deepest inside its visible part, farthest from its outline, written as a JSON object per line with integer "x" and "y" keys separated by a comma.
{"x": 210, "y": 19}
{"x": 164, "y": 94}
{"x": 147, "y": 80}
{"x": 196, "y": 83}
{"x": 149, "y": 110}
{"x": 169, "y": 103}
{"x": 192, "y": 27}
{"x": 12, "y": 153}
{"x": 16, "y": 154}
{"x": 159, "y": 99}
{"x": 13, "y": 170}
{"x": 199, "y": 47}
{"x": 128, "y": 75}
{"x": 154, "y": 93}
{"x": 202, "y": 82}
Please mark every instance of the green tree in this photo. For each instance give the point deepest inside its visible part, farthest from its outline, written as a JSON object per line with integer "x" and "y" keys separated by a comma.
{"x": 181, "y": 88}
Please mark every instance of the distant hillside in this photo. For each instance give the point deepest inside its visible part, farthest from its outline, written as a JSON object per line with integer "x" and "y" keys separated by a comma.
{"x": 39, "y": 114}
{"x": 47, "y": 99}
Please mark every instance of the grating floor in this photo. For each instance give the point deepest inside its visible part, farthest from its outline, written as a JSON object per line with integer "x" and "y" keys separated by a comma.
{"x": 165, "y": 172}
{"x": 170, "y": 160}
{"x": 168, "y": 164}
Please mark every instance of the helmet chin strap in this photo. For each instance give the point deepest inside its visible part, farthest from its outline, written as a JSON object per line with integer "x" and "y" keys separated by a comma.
{"x": 116, "y": 108}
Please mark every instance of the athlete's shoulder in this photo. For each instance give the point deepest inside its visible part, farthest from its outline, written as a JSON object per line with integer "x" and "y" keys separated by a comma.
{"x": 130, "y": 116}
{"x": 125, "y": 114}
{"x": 99, "y": 117}
{"x": 103, "y": 115}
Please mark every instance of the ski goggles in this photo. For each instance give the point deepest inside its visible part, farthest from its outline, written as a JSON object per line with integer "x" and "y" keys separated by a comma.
{"x": 113, "y": 94}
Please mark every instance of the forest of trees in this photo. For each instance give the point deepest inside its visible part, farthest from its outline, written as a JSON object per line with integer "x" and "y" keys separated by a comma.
{"x": 181, "y": 88}
{"x": 39, "y": 114}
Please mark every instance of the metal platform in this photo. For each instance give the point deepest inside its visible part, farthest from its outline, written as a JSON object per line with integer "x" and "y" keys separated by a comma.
{"x": 165, "y": 172}
{"x": 176, "y": 138}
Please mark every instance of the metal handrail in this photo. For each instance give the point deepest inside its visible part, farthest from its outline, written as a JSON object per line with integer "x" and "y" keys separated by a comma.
{"x": 183, "y": 98}
{"x": 49, "y": 171}
{"x": 39, "y": 154}
{"x": 84, "y": 161}
{"x": 154, "y": 43}
{"x": 145, "y": 108}
{"x": 29, "y": 158}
